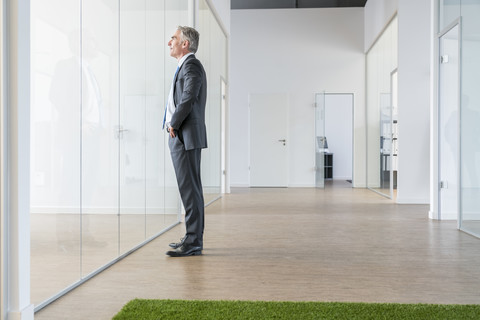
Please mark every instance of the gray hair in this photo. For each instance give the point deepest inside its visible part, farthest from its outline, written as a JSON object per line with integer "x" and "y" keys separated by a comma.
{"x": 191, "y": 35}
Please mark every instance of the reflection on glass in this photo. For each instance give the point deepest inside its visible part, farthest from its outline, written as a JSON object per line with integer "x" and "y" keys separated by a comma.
{"x": 470, "y": 164}
{"x": 155, "y": 53}
{"x": 99, "y": 145}
{"x": 132, "y": 123}
{"x": 55, "y": 149}
{"x": 470, "y": 118}
{"x": 448, "y": 124}
{"x": 381, "y": 64}
{"x": 386, "y": 123}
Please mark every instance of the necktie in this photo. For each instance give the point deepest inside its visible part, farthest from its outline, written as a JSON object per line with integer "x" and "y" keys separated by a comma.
{"x": 171, "y": 92}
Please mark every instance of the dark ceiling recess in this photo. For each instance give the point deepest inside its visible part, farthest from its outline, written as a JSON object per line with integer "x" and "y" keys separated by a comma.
{"x": 279, "y": 4}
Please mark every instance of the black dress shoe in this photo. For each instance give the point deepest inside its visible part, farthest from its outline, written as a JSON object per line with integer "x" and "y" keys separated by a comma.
{"x": 176, "y": 245}
{"x": 184, "y": 251}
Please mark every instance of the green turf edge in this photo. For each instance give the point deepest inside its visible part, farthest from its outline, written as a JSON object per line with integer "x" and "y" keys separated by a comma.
{"x": 143, "y": 309}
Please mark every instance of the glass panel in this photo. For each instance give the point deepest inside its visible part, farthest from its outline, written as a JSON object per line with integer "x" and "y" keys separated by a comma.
{"x": 385, "y": 142}
{"x": 448, "y": 124}
{"x": 381, "y": 64}
{"x": 321, "y": 145}
{"x": 131, "y": 130}
{"x": 100, "y": 75}
{"x": 394, "y": 161}
{"x": 155, "y": 148}
{"x": 449, "y": 10}
{"x": 99, "y": 143}
{"x": 212, "y": 54}
{"x": 55, "y": 147}
{"x": 470, "y": 118}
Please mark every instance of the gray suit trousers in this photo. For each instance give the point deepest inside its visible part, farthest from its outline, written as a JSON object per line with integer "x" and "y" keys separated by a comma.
{"x": 187, "y": 171}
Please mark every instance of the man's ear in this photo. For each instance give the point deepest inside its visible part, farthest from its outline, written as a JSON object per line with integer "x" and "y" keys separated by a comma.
{"x": 186, "y": 44}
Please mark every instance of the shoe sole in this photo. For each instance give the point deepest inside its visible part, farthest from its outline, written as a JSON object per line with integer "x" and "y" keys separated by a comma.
{"x": 193, "y": 253}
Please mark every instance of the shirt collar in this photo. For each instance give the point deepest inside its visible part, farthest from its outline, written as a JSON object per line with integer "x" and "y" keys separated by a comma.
{"x": 182, "y": 60}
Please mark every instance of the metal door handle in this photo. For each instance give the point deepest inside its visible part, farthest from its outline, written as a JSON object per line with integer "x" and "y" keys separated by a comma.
{"x": 119, "y": 132}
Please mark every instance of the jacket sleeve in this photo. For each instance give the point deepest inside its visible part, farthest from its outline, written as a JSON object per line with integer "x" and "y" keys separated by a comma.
{"x": 191, "y": 83}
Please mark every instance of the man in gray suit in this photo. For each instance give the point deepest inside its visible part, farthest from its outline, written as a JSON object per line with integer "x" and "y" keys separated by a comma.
{"x": 185, "y": 122}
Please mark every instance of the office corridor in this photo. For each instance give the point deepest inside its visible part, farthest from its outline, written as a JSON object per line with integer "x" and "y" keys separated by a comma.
{"x": 301, "y": 244}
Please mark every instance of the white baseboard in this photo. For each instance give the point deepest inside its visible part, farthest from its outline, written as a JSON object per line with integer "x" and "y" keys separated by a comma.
{"x": 301, "y": 185}
{"x": 413, "y": 200}
{"x": 471, "y": 216}
{"x": 467, "y": 216}
{"x": 71, "y": 210}
{"x": 342, "y": 178}
{"x": 448, "y": 216}
{"x": 25, "y": 314}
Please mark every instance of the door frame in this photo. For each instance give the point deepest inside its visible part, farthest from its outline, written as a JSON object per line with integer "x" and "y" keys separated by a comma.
{"x": 352, "y": 107}
{"x": 224, "y": 183}
{"x": 437, "y": 214}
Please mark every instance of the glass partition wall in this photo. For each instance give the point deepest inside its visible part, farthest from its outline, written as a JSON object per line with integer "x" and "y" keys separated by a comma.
{"x": 466, "y": 14}
{"x": 213, "y": 54}
{"x": 102, "y": 181}
{"x": 381, "y": 112}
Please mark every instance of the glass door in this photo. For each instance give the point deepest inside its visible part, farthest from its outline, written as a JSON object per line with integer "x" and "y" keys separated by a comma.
{"x": 321, "y": 145}
{"x": 385, "y": 143}
{"x": 394, "y": 150}
{"x": 448, "y": 124}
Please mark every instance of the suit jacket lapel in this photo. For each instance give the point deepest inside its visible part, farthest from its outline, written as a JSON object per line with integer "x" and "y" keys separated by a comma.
{"x": 178, "y": 73}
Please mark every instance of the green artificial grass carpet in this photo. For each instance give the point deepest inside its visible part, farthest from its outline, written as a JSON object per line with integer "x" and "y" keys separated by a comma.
{"x": 139, "y": 309}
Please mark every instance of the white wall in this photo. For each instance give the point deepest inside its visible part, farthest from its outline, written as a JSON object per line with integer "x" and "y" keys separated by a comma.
{"x": 299, "y": 52}
{"x": 15, "y": 163}
{"x": 377, "y": 14}
{"x": 414, "y": 68}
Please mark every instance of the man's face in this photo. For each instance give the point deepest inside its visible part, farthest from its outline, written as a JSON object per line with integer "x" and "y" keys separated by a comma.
{"x": 177, "y": 48}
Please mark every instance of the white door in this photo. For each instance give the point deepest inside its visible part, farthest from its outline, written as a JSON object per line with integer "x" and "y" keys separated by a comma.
{"x": 268, "y": 140}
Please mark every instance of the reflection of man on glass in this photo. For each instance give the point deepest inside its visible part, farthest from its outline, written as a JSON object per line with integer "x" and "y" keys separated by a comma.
{"x": 76, "y": 96}
{"x": 470, "y": 133}
{"x": 185, "y": 121}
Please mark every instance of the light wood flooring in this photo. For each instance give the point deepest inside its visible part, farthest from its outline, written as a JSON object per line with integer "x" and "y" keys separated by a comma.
{"x": 300, "y": 244}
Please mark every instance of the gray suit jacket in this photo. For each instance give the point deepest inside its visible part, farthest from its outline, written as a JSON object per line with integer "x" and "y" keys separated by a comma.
{"x": 190, "y": 96}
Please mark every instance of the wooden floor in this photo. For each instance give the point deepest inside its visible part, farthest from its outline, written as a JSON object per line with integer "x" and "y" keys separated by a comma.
{"x": 301, "y": 244}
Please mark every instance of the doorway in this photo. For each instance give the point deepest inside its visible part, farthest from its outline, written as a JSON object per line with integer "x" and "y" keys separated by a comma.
{"x": 334, "y": 138}
{"x": 339, "y": 136}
